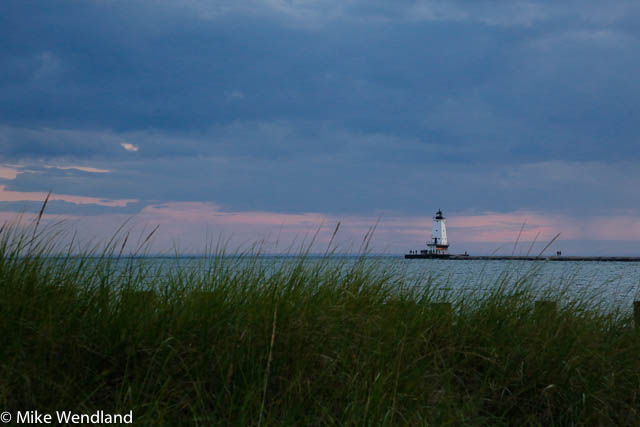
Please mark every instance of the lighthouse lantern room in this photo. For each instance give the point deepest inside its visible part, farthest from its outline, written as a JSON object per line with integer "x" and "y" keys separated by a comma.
{"x": 438, "y": 244}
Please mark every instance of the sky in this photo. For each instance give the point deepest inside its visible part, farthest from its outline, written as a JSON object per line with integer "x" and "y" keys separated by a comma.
{"x": 270, "y": 120}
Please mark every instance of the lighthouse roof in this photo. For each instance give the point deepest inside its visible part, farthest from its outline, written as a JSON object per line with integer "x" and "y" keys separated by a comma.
{"x": 439, "y": 215}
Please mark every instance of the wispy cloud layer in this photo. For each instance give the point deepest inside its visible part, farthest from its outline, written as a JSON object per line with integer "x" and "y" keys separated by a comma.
{"x": 315, "y": 13}
{"x": 248, "y": 113}
{"x": 79, "y": 168}
{"x": 21, "y": 196}
{"x": 191, "y": 226}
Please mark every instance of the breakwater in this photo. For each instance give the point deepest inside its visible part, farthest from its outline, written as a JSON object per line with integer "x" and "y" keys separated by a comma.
{"x": 523, "y": 258}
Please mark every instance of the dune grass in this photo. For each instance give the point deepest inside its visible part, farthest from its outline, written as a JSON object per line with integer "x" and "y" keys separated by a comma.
{"x": 324, "y": 341}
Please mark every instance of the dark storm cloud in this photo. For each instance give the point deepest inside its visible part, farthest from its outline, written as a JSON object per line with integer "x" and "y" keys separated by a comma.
{"x": 326, "y": 106}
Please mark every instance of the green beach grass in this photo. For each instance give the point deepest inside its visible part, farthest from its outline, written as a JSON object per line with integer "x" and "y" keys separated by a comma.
{"x": 241, "y": 341}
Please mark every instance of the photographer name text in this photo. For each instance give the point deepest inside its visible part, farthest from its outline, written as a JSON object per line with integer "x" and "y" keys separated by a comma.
{"x": 66, "y": 417}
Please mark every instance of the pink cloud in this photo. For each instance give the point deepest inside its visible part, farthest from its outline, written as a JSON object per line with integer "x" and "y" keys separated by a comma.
{"x": 208, "y": 212}
{"x": 504, "y": 227}
{"x": 8, "y": 172}
{"x": 188, "y": 226}
{"x": 487, "y": 227}
{"x": 22, "y": 196}
{"x": 80, "y": 168}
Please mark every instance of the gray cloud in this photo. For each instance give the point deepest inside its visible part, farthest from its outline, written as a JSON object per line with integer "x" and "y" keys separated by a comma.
{"x": 336, "y": 171}
{"x": 340, "y": 107}
{"x": 316, "y": 14}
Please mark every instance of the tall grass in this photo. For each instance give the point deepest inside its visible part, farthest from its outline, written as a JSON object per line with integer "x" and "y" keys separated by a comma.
{"x": 243, "y": 341}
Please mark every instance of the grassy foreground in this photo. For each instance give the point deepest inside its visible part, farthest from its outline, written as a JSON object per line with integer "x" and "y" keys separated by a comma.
{"x": 245, "y": 342}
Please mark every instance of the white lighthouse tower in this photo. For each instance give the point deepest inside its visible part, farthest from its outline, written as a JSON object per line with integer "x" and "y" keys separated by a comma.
{"x": 438, "y": 244}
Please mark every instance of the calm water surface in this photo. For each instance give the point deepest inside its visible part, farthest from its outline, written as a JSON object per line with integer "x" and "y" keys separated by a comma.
{"x": 604, "y": 282}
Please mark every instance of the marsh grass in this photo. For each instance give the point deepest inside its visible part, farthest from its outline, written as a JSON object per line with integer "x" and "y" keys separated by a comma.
{"x": 238, "y": 340}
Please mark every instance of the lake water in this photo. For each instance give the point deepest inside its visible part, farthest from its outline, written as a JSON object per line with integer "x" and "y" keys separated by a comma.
{"x": 603, "y": 282}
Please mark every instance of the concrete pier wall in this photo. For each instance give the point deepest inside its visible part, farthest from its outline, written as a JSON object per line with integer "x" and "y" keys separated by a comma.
{"x": 523, "y": 258}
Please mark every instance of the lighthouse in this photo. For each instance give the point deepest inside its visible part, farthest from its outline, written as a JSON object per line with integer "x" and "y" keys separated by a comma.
{"x": 438, "y": 244}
